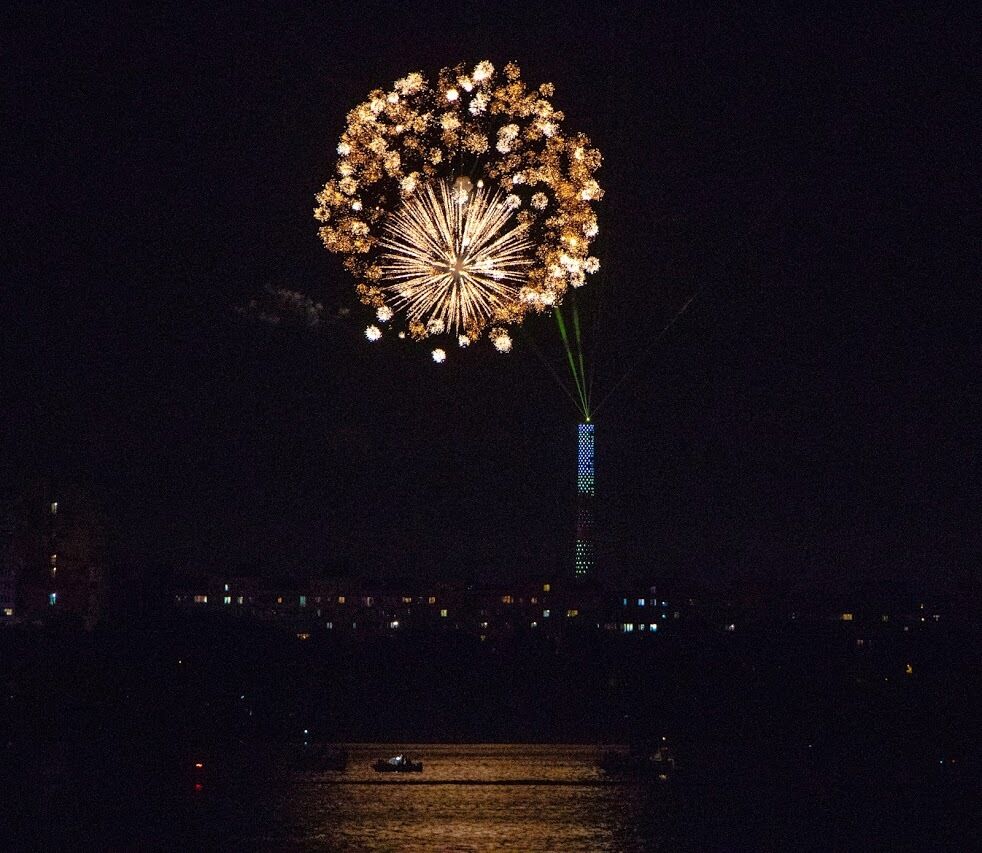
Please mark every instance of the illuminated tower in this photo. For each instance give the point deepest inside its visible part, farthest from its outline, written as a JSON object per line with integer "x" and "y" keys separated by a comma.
{"x": 584, "y": 560}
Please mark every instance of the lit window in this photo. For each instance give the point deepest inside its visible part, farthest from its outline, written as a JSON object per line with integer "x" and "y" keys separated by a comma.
{"x": 640, "y": 602}
{"x": 641, "y": 626}
{"x": 653, "y": 627}
{"x": 506, "y": 599}
{"x": 239, "y": 600}
{"x": 443, "y": 613}
{"x": 731, "y": 627}
{"x": 628, "y": 627}
{"x": 431, "y": 600}
{"x": 846, "y": 617}
{"x": 303, "y": 600}
{"x": 546, "y": 587}
{"x": 329, "y": 626}
{"x": 54, "y": 507}
{"x": 533, "y": 600}
{"x": 52, "y": 598}
{"x": 227, "y": 599}
{"x": 8, "y": 611}
{"x": 340, "y": 599}
{"x": 624, "y": 601}
{"x": 279, "y": 599}
{"x": 484, "y": 626}
{"x": 535, "y": 624}
{"x": 53, "y": 559}
{"x": 394, "y": 624}
{"x": 407, "y": 599}
{"x": 663, "y": 604}
{"x": 570, "y": 614}
{"x": 885, "y": 618}
{"x": 303, "y": 635}
{"x": 545, "y": 614}
{"x": 368, "y": 601}
{"x": 909, "y": 669}
{"x": 201, "y": 599}
{"x": 226, "y": 587}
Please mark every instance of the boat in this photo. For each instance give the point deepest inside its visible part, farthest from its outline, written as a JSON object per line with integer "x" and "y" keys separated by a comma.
{"x": 398, "y": 764}
{"x": 653, "y": 763}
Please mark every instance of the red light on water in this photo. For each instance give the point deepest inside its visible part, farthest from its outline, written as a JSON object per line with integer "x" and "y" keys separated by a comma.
{"x": 198, "y": 787}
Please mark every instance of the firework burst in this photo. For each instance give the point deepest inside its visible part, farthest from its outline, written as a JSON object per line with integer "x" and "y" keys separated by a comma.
{"x": 454, "y": 257}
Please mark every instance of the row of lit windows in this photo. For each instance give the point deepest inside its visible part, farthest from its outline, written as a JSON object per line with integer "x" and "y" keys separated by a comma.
{"x": 393, "y": 625}
{"x": 227, "y": 599}
{"x": 626, "y": 627}
{"x": 506, "y": 599}
{"x": 367, "y": 601}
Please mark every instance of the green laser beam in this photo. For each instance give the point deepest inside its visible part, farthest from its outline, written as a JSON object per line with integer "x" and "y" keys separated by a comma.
{"x": 579, "y": 353}
{"x": 572, "y": 363}
{"x": 549, "y": 367}
{"x": 651, "y": 346}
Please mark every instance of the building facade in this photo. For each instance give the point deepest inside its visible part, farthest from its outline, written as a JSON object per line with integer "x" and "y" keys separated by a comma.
{"x": 57, "y": 554}
{"x": 584, "y": 562}
{"x": 361, "y": 607}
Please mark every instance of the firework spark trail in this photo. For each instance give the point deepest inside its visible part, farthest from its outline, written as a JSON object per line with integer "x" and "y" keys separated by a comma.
{"x": 455, "y": 261}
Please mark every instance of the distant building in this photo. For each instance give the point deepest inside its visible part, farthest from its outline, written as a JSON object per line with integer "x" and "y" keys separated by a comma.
{"x": 363, "y": 607}
{"x": 57, "y": 554}
{"x": 8, "y": 578}
{"x": 8, "y": 588}
{"x": 584, "y": 558}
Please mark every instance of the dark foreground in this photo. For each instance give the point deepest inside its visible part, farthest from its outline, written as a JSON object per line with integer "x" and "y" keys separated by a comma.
{"x": 785, "y": 741}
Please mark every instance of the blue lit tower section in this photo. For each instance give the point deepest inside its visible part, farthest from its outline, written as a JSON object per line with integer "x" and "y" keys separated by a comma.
{"x": 584, "y": 563}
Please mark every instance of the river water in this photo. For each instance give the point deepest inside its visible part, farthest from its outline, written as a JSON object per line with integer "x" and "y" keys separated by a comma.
{"x": 469, "y": 798}
{"x": 246, "y": 797}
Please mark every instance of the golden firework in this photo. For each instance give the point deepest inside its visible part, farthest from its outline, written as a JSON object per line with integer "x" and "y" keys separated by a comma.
{"x": 461, "y": 204}
{"x": 455, "y": 258}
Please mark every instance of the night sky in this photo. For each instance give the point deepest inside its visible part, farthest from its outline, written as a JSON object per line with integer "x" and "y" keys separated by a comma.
{"x": 810, "y": 420}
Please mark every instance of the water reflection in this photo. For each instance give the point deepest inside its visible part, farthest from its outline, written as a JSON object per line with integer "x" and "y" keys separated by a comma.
{"x": 469, "y": 798}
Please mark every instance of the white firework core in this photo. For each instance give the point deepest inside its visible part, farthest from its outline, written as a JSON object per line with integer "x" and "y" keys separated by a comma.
{"x": 456, "y": 262}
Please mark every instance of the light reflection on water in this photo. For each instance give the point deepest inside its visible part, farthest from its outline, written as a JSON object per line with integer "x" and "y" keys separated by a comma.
{"x": 469, "y": 798}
